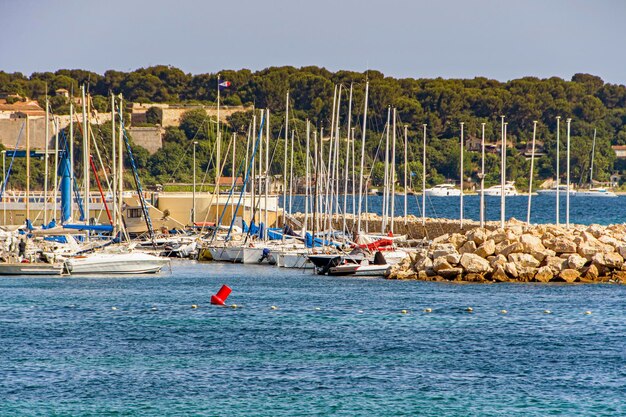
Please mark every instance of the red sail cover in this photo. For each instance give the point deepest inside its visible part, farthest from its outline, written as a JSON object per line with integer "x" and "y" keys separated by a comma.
{"x": 377, "y": 244}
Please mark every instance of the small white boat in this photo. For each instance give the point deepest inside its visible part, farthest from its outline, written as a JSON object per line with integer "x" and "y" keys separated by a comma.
{"x": 443, "y": 190}
{"x": 116, "y": 263}
{"x": 294, "y": 259}
{"x": 30, "y": 268}
{"x": 496, "y": 190}
{"x": 595, "y": 192}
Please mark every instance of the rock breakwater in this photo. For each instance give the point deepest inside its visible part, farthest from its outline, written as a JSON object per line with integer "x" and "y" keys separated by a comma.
{"x": 521, "y": 253}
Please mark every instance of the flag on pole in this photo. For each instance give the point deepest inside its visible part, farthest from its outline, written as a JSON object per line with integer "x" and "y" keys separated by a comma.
{"x": 224, "y": 85}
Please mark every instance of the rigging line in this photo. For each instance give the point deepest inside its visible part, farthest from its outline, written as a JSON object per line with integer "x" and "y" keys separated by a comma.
{"x": 216, "y": 191}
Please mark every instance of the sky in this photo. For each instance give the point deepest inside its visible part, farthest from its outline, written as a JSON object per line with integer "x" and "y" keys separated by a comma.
{"x": 502, "y": 39}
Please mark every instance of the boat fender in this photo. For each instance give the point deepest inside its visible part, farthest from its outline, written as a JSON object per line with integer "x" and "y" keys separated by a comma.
{"x": 221, "y": 296}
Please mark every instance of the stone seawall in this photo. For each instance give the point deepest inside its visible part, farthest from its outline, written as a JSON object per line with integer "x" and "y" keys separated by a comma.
{"x": 413, "y": 228}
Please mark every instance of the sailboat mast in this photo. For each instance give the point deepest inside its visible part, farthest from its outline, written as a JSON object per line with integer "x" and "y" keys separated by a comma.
{"x": 593, "y": 154}
{"x": 346, "y": 169}
{"x": 532, "y": 166}
{"x": 569, "y": 121}
{"x": 114, "y": 165}
{"x": 385, "y": 213}
{"x": 367, "y": 86}
{"x": 27, "y": 168}
{"x": 71, "y": 159}
{"x": 285, "y": 166}
{"x": 393, "y": 171}
{"x": 56, "y": 165}
{"x": 424, "y": 178}
{"x": 502, "y": 173}
{"x": 482, "y": 178}
{"x": 267, "y": 171}
{"x": 218, "y": 156}
{"x": 406, "y": 151}
{"x": 558, "y": 159}
{"x": 85, "y": 154}
{"x": 45, "y": 161}
{"x": 291, "y": 173}
{"x": 461, "y": 178}
{"x": 307, "y": 178}
{"x": 120, "y": 168}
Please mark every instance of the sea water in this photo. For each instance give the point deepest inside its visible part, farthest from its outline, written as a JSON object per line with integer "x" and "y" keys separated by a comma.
{"x": 134, "y": 346}
{"x": 583, "y": 210}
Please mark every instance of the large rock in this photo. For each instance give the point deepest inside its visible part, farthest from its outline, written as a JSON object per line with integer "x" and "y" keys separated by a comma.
{"x": 511, "y": 269}
{"x": 474, "y": 264}
{"x": 488, "y": 248}
{"x": 525, "y": 260}
{"x": 531, "y": 243}
{"x": 443, "y": 249}
{"x": 468, "y": 247}
{"x": 560, "y": 245}
{"x": 544, "y": 274}
{"x": 526, "y": 273}
{"x": 567, "y": 275}
{"x": 575, "y": 261}
{"x": 403, "y": 274}
{"x": 555, "y": 264}
{"x": 440, "y": 263}
{"x": 497, "y": 260}
{"x": 589, "y": 248}
{"x": 423, "y": 264}
{"x": 450, "y": 273}
{"x": 453, "y": 258}
{"x": 478, "y": 236}
{"x": 514, "y": 247}
{"x": 499, "y": 275}
{"x": 457, "y": 240}
{"x": 621, "y": 249}
{"x": 498, "y": 235}
{"x": 613, "y": 260}
{"x": 591, "y": 273}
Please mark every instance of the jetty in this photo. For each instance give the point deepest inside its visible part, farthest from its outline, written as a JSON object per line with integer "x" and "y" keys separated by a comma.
{"x": 520, "y": 252}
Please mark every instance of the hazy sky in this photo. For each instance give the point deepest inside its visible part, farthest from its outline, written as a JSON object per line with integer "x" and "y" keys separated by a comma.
{"x": 402, "y": 38}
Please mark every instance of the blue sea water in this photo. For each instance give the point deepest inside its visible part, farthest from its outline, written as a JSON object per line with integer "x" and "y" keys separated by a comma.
{"x": 333, "y": 346}
{"x": 583, "y": 210}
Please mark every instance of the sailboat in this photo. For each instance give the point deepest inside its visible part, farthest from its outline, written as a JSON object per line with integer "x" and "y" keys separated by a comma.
{"x": 594, "y": 191}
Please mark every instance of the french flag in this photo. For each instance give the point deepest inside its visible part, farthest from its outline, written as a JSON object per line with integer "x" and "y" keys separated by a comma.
{"x": 224, "y": 85}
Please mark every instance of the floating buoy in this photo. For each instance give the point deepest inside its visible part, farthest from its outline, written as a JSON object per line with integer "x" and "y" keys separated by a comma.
{"x": 274, "y": 308}
{"x": 469, "y": 309}
{"x": 404, "y": 311}
{"x": 503, "y": 311}
{"x": 154, "y": 309}
{"x": 587, "y": 312}
{"x": 317, "y": 309}
{"x": 234, "y": 306}
{"x": 428, "y": 310}
{"x": 194, "y": 306}
{"x": 113, "y": 308}
{"x": 359, "y": 311}
{"x": 547, "y": 312}
{"x": 221, "y": 296}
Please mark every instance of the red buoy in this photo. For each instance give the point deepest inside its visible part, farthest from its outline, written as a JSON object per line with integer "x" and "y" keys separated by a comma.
{"x": 221, "y": 296}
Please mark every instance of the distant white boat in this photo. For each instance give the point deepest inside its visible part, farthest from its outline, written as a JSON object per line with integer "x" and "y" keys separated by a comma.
{"x": 443, "y": 190}
{"x": 27, "y": 268}
{"x": 496, "y": 190}
{"x": 595, "y": 192}
{"x": 552, "y": 191}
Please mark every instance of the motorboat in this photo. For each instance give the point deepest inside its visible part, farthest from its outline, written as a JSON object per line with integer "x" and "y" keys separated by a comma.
{"x": 378, "y": 268}
{"x": 552, "y": 191}
{"x": 496, "y": 190}
{"x": 443, "y": 190}
{"x": 595, "y": 192}
{"x": 115, "y": 263}
{"x": 294, "y": 259}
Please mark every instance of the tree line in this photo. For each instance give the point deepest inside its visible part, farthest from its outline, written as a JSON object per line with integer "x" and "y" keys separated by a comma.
{"x": 440, "y": 103}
